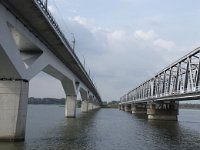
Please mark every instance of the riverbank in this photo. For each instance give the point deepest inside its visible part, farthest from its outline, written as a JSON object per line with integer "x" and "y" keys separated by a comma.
{"x": 189, "y": 106}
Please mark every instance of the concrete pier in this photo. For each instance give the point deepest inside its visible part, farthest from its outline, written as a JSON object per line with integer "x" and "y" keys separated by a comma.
{"x": 90, "y": 106}
{"x": 84, "y": 106}
{"x": 119, "y": 107}
{"x": 138, "y": 108}
{"x": 127, "y": 108}
{"x": 13, "y": 109}
{"x": 123, "y": 107}
{"x": 70, "y": 106}
{"x": 95, "y": 106}
{"x": 163, "y": 110}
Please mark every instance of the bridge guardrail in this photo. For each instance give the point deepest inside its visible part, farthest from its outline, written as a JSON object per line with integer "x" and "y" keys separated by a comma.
{"x": 180, "y": 78}
{"x": 53, "y": 22}
{"x": 162, "y": 95}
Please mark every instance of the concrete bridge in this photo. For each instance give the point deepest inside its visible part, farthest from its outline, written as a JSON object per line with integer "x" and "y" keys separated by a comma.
{"x": 30, "y": 42}
{"x": 159, "y": 96}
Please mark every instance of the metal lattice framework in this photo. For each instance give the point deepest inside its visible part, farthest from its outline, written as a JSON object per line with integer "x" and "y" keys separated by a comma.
{"x": 179, "y": 81}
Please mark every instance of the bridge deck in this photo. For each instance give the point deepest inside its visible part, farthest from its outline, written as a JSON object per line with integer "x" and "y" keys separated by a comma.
{"x": 34, "y": 16}
{"x": 175, "y": 97}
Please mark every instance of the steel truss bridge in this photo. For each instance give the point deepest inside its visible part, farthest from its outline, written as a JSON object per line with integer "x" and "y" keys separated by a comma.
{"x": 177, "y": 82}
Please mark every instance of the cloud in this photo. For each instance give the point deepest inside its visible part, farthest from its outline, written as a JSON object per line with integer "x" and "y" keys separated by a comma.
{"x": 81, "y": 20}
{"x": 164, "y": 44}
{"x": 119, "y": 60}
{"x": 73, "y": 11}
{"x": 52, "y": 9}
{"x": 149, "y": 35}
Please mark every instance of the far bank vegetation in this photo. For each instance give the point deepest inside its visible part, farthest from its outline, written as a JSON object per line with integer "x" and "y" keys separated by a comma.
{"x": 111, "y": 104}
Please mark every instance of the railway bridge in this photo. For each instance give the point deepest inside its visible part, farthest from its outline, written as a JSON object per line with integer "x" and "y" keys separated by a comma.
{"x": 159, "y": 96}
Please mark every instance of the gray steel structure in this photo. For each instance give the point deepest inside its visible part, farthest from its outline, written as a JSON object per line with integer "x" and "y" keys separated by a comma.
{"x": 177, "y": 82}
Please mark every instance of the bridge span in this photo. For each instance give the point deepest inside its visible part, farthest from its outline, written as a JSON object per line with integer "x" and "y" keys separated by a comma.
{"x": 159, "y": 96}
{"x": 31, "y": 41}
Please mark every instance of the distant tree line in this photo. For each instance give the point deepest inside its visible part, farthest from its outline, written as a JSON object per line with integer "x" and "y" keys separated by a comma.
{"x": 189, "y": 106}
{"x": 33, "y": 100}
{"x": 112, "y": 104}
{"x": 52, "y": 101}
{"x": 61, "y": 101}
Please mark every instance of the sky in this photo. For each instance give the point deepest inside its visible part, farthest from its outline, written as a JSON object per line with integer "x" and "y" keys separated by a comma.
{"x": 123, "y": 42}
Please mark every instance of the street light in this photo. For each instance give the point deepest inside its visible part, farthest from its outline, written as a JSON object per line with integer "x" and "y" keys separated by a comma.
{"x": 74, "y": 41}
{"x": 46, "y": 4}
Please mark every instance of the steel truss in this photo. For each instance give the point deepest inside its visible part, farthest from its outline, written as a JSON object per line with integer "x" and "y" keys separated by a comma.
{"x": 180, "y": 78}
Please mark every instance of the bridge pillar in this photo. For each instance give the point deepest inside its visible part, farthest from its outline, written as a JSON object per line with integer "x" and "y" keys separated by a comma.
{"x": 13, "y": 109}
{"x": 84, "y": 106}
{"x": 122, "y": 107}
{"x": 90, "y": 106}
{"x": 97, "y": 106}
{"x": 119, "y": 107}
{"x": 70, "y": 106}
{"x": 128, "y": 107}
{"x": 139, "y": 108}
{"x": 163, "y": 110}
{"x": 94, "y": 106}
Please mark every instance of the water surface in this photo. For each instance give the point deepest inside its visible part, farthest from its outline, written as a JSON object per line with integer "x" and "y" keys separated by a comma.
{"x": 106, "y": 129}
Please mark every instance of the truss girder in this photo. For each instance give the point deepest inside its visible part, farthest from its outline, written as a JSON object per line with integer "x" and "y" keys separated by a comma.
{"x": 181, "y": 77}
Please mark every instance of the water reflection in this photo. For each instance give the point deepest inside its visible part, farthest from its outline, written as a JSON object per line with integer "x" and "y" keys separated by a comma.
{"x": 140, "y": 116}
{"x": 75, "y": 131}
{"x": 175, "y": 135}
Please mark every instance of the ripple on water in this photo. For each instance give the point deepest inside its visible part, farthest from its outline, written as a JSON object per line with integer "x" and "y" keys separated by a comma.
{"x": 106, "y": 129}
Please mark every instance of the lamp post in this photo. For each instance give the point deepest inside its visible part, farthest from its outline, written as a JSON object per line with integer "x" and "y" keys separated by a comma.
{"x": 74, "y": 41}
{"x": 46, "y": 4}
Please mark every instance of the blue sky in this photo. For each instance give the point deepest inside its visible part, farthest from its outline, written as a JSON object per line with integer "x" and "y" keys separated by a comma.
{"x": 124, "y": 42}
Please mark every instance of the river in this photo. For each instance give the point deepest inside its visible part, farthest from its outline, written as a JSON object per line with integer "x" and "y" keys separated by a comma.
{"x": 106, "y": 129}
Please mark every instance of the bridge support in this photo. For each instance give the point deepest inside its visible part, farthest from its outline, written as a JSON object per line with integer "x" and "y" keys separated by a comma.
{"x": 122, "y": 107}
{"x": 84, "y": 106}
{"x": 139, "y": 108}
{"x": 13, "y": 109}
{"x": 90, "y": 106}
{"x": 98, "y": 106}
{"x": 70, "y": 106}
{"x": 119, "y": 107}
{"x": 163, "y": 110}
{"x": 95, "y": 106}
{"x": 127, "y": 108}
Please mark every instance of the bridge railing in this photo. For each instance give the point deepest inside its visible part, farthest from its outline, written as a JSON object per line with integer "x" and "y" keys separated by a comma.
{"x": 53, "y": 22}
{"x": 181, "y": 77}
{"x": 56, "y": 27}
